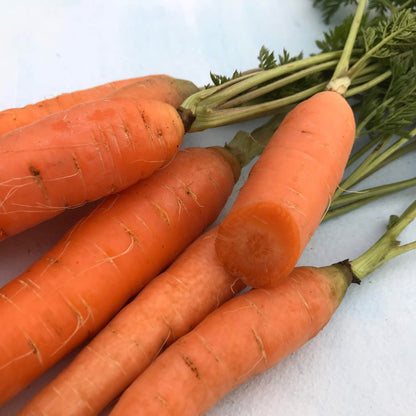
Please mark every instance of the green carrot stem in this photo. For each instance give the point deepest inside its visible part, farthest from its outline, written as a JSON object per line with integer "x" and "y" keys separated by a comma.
{"x": 246, "y": 146}
{"x": 221, "y": 95}
{"x": 378, "y": 161}
{"x": 363, "y": 150}
{"x": 398, "y": 153}
{"x": 361, "y": 170}
{"x": 377, "y": 191}
{"x": 386, "y": 247}
{"x": 336, "y": 212}
{"x": 209, "y": 117}
{"x": 344, "y": 62}
{"x": 273, "y": 86}
{"x": 370, "y": 84}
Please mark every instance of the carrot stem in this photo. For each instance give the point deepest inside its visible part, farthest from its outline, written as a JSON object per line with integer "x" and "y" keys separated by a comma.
{"x": 363, "y": 150}
{"x": 387, "y": 246}
{"x": 398, "y": 153}
{"x": 343, "y": 64}
{"x": 259, "y": 78}
{"x": 244, "y": 98}
{"x": 209, "y": 117}
{"x": 370, "y": 84}
{"x": 375, "y": 160}
{"x": 377, "y": 191}
{"x": 358, "y": 173}
{"x": 246, "y": 146}
{"x": 336, "y": 212}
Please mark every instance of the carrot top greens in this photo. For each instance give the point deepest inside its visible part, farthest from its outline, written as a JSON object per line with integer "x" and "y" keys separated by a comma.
{"x": 381, "y": 7}
{"x": 382, "y": 45}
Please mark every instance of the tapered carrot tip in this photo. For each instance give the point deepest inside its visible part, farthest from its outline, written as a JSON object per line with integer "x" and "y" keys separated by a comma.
{"x": 271, "y": 237}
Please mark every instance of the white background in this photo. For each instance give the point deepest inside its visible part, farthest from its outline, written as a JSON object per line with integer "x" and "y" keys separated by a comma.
{"x": 364, "y": 361}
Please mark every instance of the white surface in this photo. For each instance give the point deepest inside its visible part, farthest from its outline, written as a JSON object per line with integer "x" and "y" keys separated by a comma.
{"x": 364, "y": 361}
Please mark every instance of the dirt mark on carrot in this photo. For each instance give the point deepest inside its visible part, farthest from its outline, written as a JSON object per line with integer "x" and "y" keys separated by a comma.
{"x": 191, "y": 365}
{"x": 38, "y": 178}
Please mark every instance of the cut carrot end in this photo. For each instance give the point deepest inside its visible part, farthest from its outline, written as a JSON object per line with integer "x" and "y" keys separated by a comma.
{"x": 264, "y": 232}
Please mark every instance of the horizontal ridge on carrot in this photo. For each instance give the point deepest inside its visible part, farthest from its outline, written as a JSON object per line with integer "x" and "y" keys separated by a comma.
{"x": 250, "y": 334}
{"x": 288, "y": 190}
{"x": 14, "y": 118}
{"x": 88, "y": 151}
{"x": 105, "y": 259}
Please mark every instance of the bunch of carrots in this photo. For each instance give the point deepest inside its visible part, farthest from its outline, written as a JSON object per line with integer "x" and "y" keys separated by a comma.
{"x": 159, "y": 300}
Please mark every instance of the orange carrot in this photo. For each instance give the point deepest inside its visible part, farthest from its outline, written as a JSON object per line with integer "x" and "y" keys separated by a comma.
{"x": 72, "y": 291}
{"x": 288, "y": 190}
{"x": 14, "y": 118}
{"x": 167, "y": 308}
{"x": 170, "y": 306}
{"x": 88, "y": 151}
{"x": 239, "y": 340}
{"x": 249, "y": 334}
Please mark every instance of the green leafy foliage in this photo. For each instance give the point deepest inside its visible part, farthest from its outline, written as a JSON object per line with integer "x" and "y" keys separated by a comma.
{"x": 222, "y": 79}
{"x": 266, "y": 59}
{"x": 384, "y": 7}
{"x": 392, "y": 105}
{"x": 380, "y": 7}
{"x": 391, "y": 36}
{"x": 330, "y": 7}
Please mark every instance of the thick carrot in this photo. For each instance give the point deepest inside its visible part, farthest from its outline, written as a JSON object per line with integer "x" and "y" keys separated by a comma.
{"x": 288, "y": 190}
{"x": 248, "y": 335}
{"x": 14, "y": 118}
{"x": 167, "y": 308}
{"x": 72, "y": 291}
{"x": 88, "y": 151}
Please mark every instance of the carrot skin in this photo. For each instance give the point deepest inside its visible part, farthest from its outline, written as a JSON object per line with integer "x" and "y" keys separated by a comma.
{"x": 73, "y": 291}
{"x": 88, "y": 151}
{"x": 288, "y": 191}
{"x": 167, "y": 308}
{"x": 14, "y": 118}
{"x": 244, "y": 337}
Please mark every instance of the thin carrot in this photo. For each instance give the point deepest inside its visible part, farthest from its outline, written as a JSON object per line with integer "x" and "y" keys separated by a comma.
{"x": 88, "y": 151}
{"x": 72, "y": 291}
{"x": 249, "y": 334}
{"x": 288, "y": 190}
{"x": 167, "y": 308}
{"x": 14, "y": 118}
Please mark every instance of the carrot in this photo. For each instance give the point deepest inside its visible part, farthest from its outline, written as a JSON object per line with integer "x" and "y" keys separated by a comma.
{"x": 291, "y": 186}
{"x": 249, "y": 334}
{"x": 288, "y": 190}
{"x": 167, "y": 308}
{"x": 14, "y": 118}
{"x": 88, "y": 151}
{"x": 105, "y": 259}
